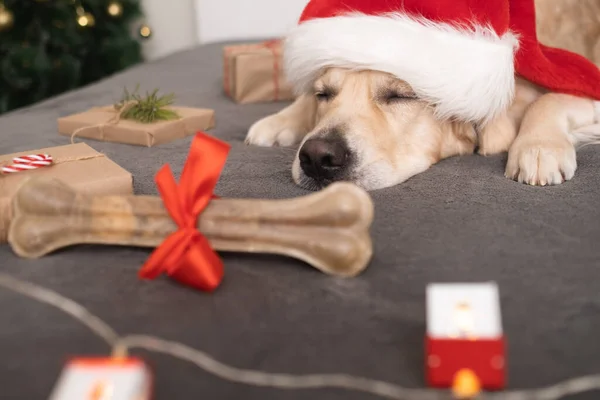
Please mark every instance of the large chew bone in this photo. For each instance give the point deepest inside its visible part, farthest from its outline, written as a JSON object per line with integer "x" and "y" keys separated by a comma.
{"x": 328, "y": 229}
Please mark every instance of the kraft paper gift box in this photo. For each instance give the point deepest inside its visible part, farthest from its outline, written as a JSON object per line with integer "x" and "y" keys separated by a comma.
{"x": 78, "y": 165}
{"x": 252, "y": 73}
{"x": 104, "y": 124}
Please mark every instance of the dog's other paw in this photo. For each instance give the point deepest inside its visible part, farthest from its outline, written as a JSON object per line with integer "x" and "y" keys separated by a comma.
{"x": 538, "y": 162}
{"x": 497, "y": 136}
{"x": 273, "y": 131}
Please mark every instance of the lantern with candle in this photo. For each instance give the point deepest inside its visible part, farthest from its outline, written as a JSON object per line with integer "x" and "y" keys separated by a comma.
{"x": 464, "y": 339}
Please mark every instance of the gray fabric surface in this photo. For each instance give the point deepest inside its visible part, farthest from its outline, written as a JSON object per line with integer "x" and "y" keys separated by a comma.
{"x": 460, "y": 221}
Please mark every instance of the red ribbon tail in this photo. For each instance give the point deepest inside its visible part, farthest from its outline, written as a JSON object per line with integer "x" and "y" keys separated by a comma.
{"x": 162, "y": 257}
{"x": 202, "y": 267}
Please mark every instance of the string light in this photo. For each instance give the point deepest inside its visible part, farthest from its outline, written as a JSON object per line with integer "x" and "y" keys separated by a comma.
{"x": 6, "y": 18}
{"x": 84, "y": 18}
{"x": 465, "y": 385}
{"x": 463, "y": 318}
{"x": 115, "y": 9}
{"x": 145, "y": 31}
{"x": 102, "y": 391}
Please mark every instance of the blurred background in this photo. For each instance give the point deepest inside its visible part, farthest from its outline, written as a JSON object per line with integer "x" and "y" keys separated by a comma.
{"x": 50, "y": 46}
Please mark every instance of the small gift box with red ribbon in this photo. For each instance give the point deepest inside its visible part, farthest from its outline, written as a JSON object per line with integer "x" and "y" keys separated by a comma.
{"x": 78, "y": 165}
{"x": 252, "y": 73}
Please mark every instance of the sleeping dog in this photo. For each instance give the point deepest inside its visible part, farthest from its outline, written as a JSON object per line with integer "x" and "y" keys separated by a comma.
{"x": 376, "y": 129}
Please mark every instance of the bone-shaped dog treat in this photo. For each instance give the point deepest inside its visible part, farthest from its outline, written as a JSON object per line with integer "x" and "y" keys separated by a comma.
{"x": 328, "y": 229}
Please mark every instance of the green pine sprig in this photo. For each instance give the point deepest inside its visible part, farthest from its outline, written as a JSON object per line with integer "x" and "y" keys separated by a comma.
{"x": 147, "y": 109}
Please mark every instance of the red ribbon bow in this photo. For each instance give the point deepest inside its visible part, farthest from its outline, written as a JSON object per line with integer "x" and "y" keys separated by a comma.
{"x": 186, "y": 255}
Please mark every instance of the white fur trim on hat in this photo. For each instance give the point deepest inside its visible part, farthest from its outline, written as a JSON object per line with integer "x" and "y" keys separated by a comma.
{"x": 467, "y": 73}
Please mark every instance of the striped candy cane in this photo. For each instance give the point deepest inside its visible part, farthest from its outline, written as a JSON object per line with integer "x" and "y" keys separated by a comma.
{"x": 25, "y": 163}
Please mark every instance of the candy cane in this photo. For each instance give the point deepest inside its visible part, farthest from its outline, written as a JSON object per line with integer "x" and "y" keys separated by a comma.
{"x": 25, "y": 163}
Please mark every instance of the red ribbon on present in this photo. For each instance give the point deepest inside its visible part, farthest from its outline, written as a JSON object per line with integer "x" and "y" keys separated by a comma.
{"x": 186, "y": 255}
{"x": 273, "y": 44}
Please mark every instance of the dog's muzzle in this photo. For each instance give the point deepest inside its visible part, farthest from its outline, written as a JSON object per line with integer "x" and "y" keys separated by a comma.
{"x": 324, "y": 159}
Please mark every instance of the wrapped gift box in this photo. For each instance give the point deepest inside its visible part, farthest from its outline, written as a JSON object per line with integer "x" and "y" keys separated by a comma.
{"x": 252, "y": 73}
{"x": 78, "y": 165}
{"x": 101, "y": 124}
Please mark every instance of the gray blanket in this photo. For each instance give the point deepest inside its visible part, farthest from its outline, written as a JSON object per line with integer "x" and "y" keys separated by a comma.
{"x": 460, "y": 221}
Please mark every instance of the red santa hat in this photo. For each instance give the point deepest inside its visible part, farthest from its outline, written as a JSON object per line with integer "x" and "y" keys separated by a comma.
{"x": 460, "y": 55}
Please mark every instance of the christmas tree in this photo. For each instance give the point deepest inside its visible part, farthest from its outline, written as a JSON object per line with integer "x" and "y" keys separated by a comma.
{"x": 50, "y": 46}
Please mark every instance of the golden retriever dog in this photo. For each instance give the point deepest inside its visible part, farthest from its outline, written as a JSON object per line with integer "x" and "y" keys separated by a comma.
{"x": 371, "y": 128}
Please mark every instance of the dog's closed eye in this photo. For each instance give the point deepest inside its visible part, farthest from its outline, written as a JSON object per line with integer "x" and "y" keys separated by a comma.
{"x": 323, "y": 96}
{"x": 389, "y": 96}
{"x": 324, "y": 93}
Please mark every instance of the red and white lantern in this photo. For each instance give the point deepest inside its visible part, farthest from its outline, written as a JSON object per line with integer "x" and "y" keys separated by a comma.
{"x": 104, "y": 378}
{"x": 464, "y": 334}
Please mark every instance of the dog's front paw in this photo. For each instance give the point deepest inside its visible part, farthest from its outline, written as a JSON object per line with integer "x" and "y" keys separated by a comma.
{"x": 272, "y": 131}
{"x": 537, "y": 162}
{"x": 497, "y": 136}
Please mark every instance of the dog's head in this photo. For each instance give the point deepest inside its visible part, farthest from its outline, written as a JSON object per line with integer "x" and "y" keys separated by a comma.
{"x": 373, "y": 130}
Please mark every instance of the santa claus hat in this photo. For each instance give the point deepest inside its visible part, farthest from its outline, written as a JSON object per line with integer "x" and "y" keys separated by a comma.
{"x": 460, "y": 55}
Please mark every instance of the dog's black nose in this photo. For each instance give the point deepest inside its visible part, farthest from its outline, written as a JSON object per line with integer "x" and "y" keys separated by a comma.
{"x": 323, "y": 158}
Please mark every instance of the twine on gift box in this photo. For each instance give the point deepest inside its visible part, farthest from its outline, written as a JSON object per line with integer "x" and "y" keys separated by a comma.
{"x": 112, "y": 121}
{"x": 272, "y": 45}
